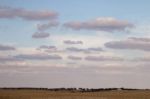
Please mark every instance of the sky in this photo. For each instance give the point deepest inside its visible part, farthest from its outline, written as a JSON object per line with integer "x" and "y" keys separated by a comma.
{"x": 75, "y": 43}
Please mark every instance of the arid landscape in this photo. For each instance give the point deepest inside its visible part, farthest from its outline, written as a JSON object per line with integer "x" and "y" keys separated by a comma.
{"x": 66, "y": 94}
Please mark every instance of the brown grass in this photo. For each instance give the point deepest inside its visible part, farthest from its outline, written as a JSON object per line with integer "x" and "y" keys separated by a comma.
{"x": 43, "y": 94}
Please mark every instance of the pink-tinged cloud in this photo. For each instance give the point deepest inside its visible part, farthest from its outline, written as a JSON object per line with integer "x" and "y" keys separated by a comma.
{"x": 6, "y": 47}
{"x": 103, "y": 58}
{"x": 40, "y": 35}
{"x": 46, "y": 26}
{"x": 103, "y": 24}
{"x": 131, "y": 43}
{"x": 74, "y": 57}
{"x": 12, "y": 13}
{"x": 70, "y": 42}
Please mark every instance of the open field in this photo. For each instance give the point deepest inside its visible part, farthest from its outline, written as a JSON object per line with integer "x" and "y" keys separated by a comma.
{"x": 45, "y": 94}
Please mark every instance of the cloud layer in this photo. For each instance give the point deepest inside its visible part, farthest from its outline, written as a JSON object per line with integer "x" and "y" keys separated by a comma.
{"x": 108, "y": 24}
{"x": 38, "y": 57}
{"x": 103, "y": 58}
{"x": 9, "y": 59}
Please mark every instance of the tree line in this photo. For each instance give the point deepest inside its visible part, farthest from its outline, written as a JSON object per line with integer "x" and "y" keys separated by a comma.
{"x": 72, "y": 89}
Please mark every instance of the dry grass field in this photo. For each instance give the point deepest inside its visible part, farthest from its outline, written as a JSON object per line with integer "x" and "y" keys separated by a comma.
{"x": 43, "y": 94}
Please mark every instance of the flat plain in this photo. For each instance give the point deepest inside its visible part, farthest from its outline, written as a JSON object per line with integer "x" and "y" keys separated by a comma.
{"x": 46, "y": 94}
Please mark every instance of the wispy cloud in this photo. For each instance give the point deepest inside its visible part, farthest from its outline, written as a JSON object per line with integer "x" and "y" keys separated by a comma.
{"x": 108, "y": 24}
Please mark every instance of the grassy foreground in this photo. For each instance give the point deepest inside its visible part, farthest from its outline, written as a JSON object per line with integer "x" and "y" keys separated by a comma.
{"x": 45, "y": 94}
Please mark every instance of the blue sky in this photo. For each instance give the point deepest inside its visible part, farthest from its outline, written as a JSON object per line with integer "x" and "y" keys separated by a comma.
{"x": 74, "y": 43}
{"x": 83, "y": 10}
{"x": 91, "y": 8}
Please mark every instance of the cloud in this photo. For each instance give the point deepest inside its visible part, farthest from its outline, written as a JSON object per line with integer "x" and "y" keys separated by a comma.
{"x": 108, "y": 24}
{"x": 39, "y": 35}
{"x": 48, "y": 47}
{"x": 95, "y": 49}
{"x": 139, "y": 39}
{"x": 74, "y": 57}
{"x": 9, "y": 59}
{"x": 131, "y": 43}
{"x": 12, "y": 13}
{"x": 6, "y": 47}
{"x": 70, "y": 42}
{"x": 85, "y": 50}
{"x": 43, "y": 27}
{"x": 142, "y": 59}
{"x": 103, "y": 58}
{"x": 74, "y": 49}
{"x": 38, "y": 57}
